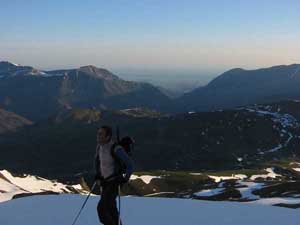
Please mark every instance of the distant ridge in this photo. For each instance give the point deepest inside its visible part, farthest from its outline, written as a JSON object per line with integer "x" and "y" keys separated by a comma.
{"x": 239, "y": 87}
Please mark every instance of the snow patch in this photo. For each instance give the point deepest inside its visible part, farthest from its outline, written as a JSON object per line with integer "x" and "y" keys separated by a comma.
{"x": 209, "y": 192}
{"x": 15, "y": 64}
{"x": 159, "y": 193}
{"x": 196, "y": 174}
{"x": 285, "y": 120}
{"x": 271, "y": 174}
{"x": 232, "y": 177}
{"x": 145, "y": 178}
{"x": 274, "y": 201}
{"x": 246, "y": 192}
{"x": 45, "y": 74}
{"x": 294, "y": 163}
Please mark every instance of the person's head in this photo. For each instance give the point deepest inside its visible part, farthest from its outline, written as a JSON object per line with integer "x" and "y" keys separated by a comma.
{"x": 104, "y": 135}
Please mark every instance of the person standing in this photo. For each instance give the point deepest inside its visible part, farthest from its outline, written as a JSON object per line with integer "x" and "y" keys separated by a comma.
{"x": 113, "y": 168}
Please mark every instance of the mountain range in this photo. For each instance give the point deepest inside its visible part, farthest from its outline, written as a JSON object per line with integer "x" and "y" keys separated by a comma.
{"x": 38, "y": 95}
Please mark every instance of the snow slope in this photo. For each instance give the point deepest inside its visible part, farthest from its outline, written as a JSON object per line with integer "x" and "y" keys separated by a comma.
{"x": 61, "y": 209}
{"x": 12, "y": 185}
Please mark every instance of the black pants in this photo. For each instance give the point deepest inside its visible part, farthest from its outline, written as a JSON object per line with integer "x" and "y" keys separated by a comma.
{"x": 107, "y": 207}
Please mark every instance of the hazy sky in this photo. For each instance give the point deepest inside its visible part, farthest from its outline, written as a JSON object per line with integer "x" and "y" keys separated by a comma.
{"x": 141, "y": 36}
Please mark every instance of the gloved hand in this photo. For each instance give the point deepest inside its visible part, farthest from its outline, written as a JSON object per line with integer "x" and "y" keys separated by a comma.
{"x": 123, "y": 180}
{"x": 99, "y": 179}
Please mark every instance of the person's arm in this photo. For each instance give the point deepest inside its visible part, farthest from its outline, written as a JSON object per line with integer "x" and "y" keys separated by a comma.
{"x": 123, "y": 156}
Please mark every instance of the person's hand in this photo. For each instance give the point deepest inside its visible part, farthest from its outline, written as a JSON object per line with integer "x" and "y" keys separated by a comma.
{"x": 122, "y": 180}
{"x": 98, "y": 179}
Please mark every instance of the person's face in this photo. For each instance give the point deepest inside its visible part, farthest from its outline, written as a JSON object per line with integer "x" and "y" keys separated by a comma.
{"x": 102, "y": 138}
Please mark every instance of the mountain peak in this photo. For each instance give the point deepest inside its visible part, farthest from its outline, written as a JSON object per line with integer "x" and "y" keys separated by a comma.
{"x": 97, "y": 72}
{"x": 91, "y": 67}
{"x": 235, "y": 70}
{"x": 9, "y": 69}
{"x": 8, "y": 64}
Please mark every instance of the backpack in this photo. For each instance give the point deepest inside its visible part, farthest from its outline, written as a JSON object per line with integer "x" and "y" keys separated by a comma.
{"x": 127, "y": 144}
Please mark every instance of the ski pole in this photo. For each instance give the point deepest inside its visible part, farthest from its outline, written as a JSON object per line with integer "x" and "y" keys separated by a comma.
{"x": 84, "y": 204}
{"x": 119, "y": 204}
